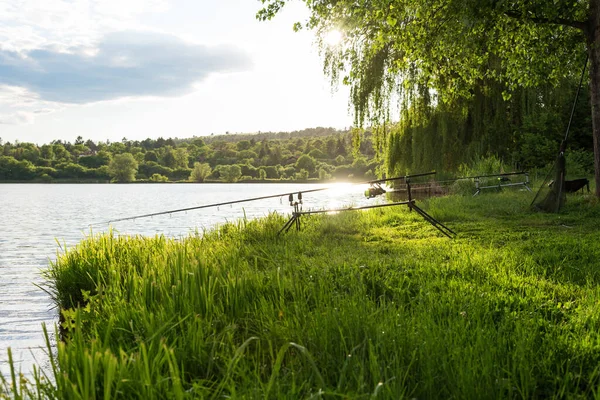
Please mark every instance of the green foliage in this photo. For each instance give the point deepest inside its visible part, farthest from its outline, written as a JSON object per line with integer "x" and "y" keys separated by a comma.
{"x": 11, "y": 169}
{"x": 272, "y": 171}
{"x": 323, "y": 174}
{"x": 306, "y": 163}
{"x": 490, "y": 165}
{"x": 289, "y": 172}
{"x": 150, "y": 168}
{"x": 95, "y": 161}
{"x": 200, "y": 172}
{"x": 156, "y": 156}
{"x": 580, "y": 164}
{"x": 101, "y": 173}
{"x": 168, "y": 158}
{"x": 46, "y": 171}
{"x": 181, "y": 174}
{"x": 317, "y": 154}
{"x": 262, "y": 174}
{"x": 243, "y": 145}
{"x": 230, "y": 173}
{"x": 158, "y": 178}
{"x": 249, "y": 170}
{"x": 123, "y": 167}
{"x": 70, "y": 170}
{"x": 151, "y": 156}
{"x": 301, "y": 175}
{"x": 181, "y": 158}
{"x": 483, "y": 166}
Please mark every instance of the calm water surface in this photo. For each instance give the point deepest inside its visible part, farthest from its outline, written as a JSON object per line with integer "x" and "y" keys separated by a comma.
{"x": 34, "y": 218}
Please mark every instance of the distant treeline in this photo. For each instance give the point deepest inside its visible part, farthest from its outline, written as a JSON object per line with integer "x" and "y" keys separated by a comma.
{"x": 318, "y": 153}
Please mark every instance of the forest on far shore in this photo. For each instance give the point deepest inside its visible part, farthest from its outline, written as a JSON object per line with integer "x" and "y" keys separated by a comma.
{"x": 310, "y": 154}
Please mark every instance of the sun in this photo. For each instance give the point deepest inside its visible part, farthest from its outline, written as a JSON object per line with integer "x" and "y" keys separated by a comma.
{"x": 333, "y": 37}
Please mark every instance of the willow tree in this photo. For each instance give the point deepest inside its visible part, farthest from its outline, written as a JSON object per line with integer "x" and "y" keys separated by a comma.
{"x": 395, "y": 47}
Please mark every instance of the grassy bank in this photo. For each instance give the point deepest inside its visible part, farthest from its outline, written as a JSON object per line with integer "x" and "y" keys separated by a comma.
{"x": 355, "y": 305}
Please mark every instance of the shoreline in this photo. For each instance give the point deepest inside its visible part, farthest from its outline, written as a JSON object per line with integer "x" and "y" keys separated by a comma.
{"x": 356, "y": 298}
{"x": 269, "y": 181}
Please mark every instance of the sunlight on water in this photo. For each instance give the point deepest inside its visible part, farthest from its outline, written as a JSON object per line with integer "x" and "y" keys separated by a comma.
{"x": 339, "y": 193}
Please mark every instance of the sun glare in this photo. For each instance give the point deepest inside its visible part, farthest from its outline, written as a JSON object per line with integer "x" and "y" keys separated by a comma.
{"x": 333, "y": 37}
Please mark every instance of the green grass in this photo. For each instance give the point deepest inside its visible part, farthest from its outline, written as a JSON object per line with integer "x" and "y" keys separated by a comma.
{"x": 355, "y": 306}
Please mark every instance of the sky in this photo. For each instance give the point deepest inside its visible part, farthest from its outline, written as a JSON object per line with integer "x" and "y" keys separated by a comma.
{"x": 109, "y": 69}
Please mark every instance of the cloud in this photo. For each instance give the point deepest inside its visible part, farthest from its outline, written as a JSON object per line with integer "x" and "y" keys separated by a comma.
{"x": 19, "y": 106}
{"x": 17, "y": 118}
{"x": 123, "y": 64}
{"x": 28, "y": 24}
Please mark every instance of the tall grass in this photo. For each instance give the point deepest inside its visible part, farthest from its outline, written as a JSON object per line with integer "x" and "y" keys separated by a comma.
{"x": 356, "y": 305}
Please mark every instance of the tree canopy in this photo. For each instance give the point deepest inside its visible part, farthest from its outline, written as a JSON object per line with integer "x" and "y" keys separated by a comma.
{"x": 123, "y": 167}
{"x": 403, "y": 50}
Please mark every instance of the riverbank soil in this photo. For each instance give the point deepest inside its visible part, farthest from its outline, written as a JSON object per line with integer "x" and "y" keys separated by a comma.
{"x": 354, "y": 305}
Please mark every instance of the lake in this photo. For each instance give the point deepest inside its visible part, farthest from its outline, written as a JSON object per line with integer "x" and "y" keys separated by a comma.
{"x": 36, "y": 218}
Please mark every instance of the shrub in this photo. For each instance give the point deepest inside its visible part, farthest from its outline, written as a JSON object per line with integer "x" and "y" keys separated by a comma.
{"x": 158, "y": 178}
{"x": 200, "y": 172}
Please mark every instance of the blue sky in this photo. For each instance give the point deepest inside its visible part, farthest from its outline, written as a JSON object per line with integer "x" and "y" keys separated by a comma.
{"x": 108, "y": 69}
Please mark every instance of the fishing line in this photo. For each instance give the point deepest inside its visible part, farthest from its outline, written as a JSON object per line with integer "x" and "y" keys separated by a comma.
{"x": 255, "y": 199}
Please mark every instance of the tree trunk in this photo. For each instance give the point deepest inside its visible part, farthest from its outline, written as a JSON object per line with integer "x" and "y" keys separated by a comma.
{"x": 593, "y": 46}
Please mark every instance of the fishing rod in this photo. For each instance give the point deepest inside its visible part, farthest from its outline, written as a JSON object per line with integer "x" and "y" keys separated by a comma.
{"x": 487, "y": 176}
{"x": 225, "y": 203}
{"x": 397, "y": 178}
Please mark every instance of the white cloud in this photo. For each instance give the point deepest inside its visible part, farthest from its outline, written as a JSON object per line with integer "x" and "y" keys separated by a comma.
{"x": 29, "y": 24}
{"x": 57, "y": 26}
{"x": 17, "y": 118}
{"x": 126, "y": 64}
{"x": 20, "y": 106}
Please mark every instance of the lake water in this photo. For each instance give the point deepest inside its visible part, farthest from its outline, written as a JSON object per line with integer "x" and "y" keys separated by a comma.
{"x": 34, "y": 217}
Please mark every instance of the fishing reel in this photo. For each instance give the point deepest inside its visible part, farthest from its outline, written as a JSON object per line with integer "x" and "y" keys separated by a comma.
{"x": 295, "y": 203}
{"x": 374, "y": 190}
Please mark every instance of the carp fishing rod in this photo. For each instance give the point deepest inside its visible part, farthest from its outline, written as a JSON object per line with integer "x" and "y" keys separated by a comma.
{"x": 225, "y": 203}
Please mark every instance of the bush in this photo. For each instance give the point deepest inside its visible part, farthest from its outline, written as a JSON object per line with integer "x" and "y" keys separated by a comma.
{"x": 150, "y": 168}
{"x": 230, "y": 173}
{"x": 307, "y": 163}
{"x": 288, "y": 172}
{"x": 11, "y": 169}
{"x": 249, "y": 170}
{"x": 318, "y": 154}
{"x": 40, "y": 171}
{"x": 463, "y": 187}
{"x": 46, "y": 178}
{"x": 158, "y": 178}
{"x": 342, "y": 171}
{"x": 74, "y": 171}
{"x": 302, "y": 175}
{"x": 579, "y": 163}
{"x": 324, "y": 175}
{"x": 483, "y": 166}
{"x": 181, "y": 174}
{"x": 200, "y": 172}
{"x": 272, "y": 172}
